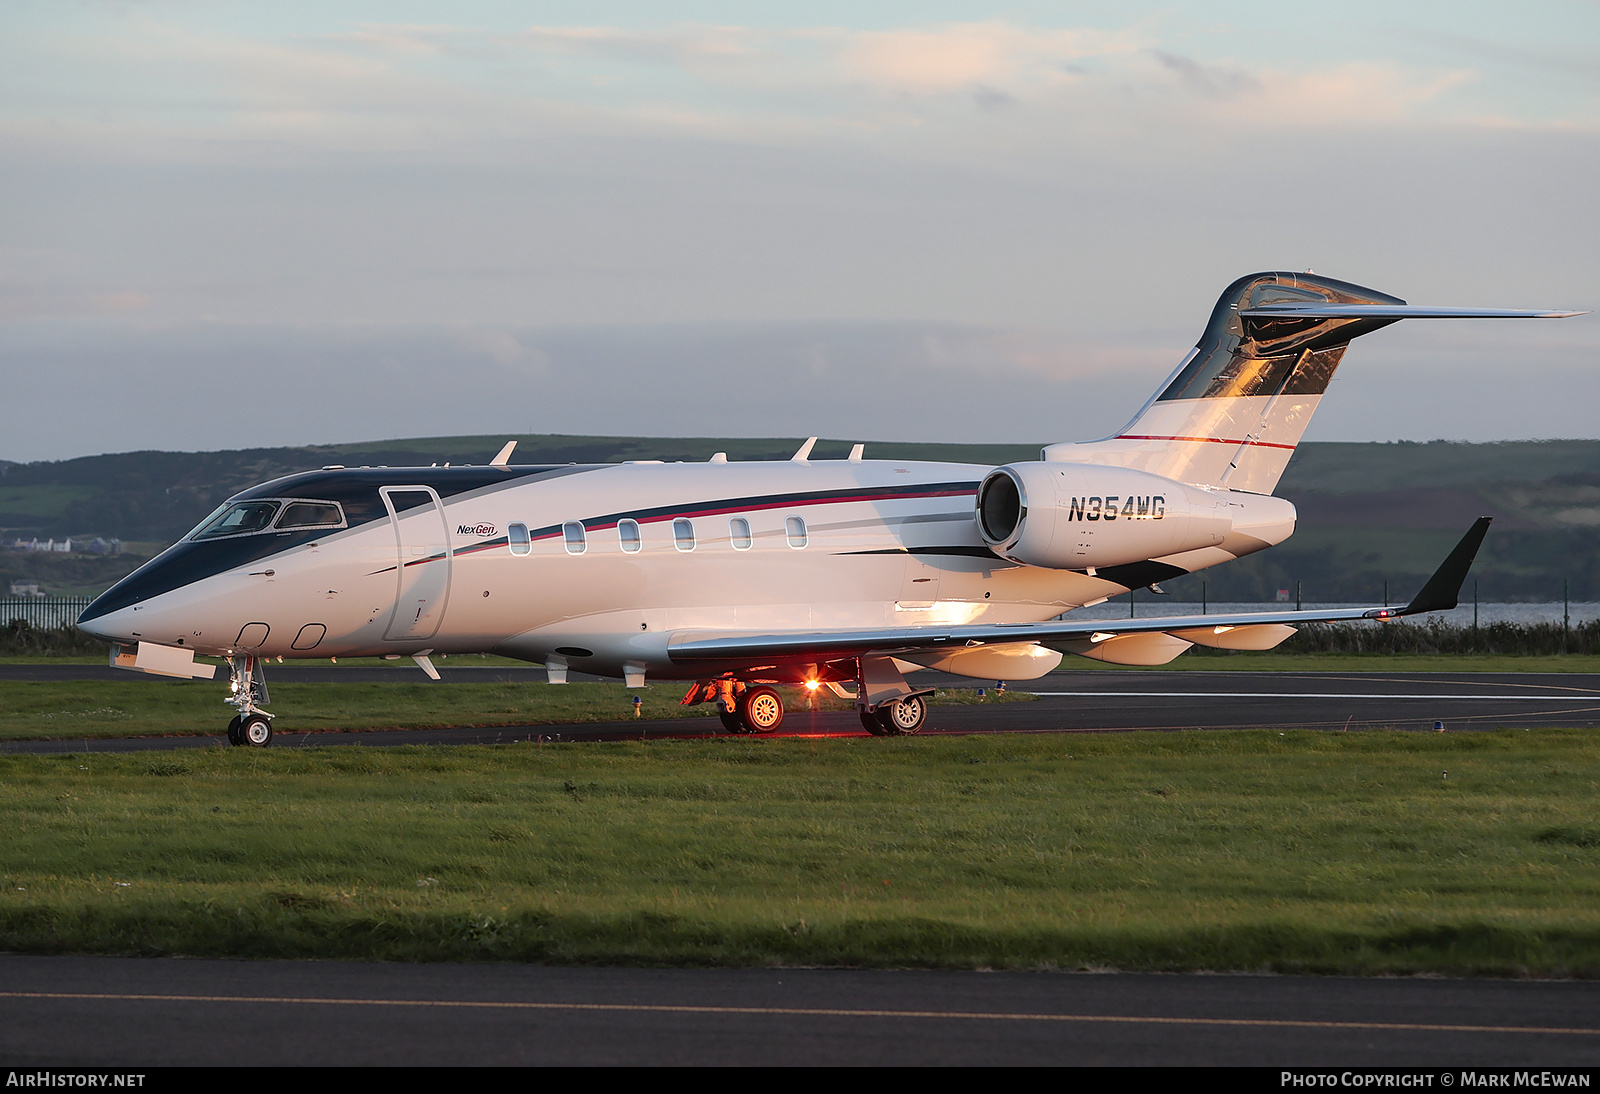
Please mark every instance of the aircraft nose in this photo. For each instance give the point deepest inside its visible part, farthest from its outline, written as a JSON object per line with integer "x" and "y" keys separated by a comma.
{"x": 111, "y": 615}
{"x": 116, "y": 625}
{"x": 98, "y": 627}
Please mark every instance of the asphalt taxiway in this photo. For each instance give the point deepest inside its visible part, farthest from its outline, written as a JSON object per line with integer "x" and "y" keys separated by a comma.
{"x": 1068, "y": 702}
{"x": 130, "y": 1013}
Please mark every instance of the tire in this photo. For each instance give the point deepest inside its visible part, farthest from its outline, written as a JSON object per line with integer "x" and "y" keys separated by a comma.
{"x": 732, "y": 722}
{"x": 233, "y": 732}
{"x": 903, "y": 716}
{"x": 872, "y": 725}
{"x": 255, "y": 731}
{"x": 761, "y": 710}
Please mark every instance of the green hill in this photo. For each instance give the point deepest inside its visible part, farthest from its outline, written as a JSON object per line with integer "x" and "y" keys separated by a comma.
{"x": 1369, "y": 512}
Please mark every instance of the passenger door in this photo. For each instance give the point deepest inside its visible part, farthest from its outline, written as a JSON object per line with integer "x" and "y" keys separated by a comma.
{"x": 422, "y": 544}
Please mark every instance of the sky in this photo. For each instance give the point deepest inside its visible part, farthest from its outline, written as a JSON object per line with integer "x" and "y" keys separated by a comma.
{"x": 236, "y": 225}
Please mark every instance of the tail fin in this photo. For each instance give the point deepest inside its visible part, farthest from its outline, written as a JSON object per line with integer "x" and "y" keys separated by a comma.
{"x": 1237, "y": 406}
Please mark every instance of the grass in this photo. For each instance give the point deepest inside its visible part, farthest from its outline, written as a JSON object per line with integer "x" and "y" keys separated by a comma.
{"x": 159, "y": 707}
{"x": 1320, "y": 852}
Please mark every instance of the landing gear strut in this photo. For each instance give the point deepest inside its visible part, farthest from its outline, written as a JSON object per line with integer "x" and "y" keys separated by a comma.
{"x": 247, "y": 692}
{"x": 889, "y": 706}
{"x": 742, "y": 708}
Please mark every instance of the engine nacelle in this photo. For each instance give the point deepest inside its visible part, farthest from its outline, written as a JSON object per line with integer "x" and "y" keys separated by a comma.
{"x": 1076, "y": 516}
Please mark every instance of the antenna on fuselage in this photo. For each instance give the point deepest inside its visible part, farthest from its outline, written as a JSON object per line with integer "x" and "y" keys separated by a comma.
{"x": 804, "y": 453}
{"x": 504, "y": 458}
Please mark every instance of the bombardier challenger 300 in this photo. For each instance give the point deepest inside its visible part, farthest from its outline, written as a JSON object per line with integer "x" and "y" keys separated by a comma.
{"x": 738, "y": 576}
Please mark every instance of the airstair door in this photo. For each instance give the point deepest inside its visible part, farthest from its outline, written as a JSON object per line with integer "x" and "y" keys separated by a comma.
{"x": 422, "y": 542}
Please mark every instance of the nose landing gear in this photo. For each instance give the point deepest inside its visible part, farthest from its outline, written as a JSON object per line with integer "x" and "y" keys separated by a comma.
{"x": 247, "y": 691}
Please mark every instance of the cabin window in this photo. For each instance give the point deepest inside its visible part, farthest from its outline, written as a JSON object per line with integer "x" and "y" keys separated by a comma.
{"x": 517, "y": 539}
{"x": 577, "y": 542}
{"x": 683, "y": 534}
{"x": 628, "y": 534}
{"x": 795, "y": 529}
{"x": 739, "y": 534}
{"x": 311, "y": 514}
{"x": 239, "y": 519}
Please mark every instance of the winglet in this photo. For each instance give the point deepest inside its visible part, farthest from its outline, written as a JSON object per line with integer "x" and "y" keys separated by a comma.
{"x": 504, "y": 459}
{"x": 1443, "y": 590}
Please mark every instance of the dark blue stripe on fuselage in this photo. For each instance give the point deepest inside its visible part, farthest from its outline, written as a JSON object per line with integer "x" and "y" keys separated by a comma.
{"x": 356, "y": 490}
{"x": 689, "y": 510}
{"x": 189, "y": 561}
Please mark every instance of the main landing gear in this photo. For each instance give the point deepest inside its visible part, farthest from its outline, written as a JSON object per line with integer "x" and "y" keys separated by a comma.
{"x": 897, "y": 717}
{"x": 247, "y": 692}
{"x": 742, "y": 707}
{"x": 888, "y": 706}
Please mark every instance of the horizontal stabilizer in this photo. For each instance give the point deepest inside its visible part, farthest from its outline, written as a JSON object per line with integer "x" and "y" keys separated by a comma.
{"x": 1392, "y": 311}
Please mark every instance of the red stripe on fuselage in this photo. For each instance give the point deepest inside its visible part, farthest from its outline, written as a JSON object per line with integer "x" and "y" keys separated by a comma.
{"x": 1213, "y": 440}
{"x": 717, "y": 510}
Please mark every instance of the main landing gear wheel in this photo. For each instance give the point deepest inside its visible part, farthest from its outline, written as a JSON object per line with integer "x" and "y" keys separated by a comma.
{"x": 761, "y": 710}
{"x": 233, "y": 732}
{"x": 731, "y": 721}
{"x": 897, "y": 718}
{"x": 255, "y": 731}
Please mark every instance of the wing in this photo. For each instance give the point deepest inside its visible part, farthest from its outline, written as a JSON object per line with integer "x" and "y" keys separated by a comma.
{"x": 718, "y": 651}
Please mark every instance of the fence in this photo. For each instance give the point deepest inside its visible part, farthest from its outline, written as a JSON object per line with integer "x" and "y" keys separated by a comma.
{"x": 43, "y": 612}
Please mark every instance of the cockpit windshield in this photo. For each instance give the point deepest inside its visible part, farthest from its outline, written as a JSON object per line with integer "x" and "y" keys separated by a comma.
{"x": 243, "y": 518}
{"x": 239, "y": 519}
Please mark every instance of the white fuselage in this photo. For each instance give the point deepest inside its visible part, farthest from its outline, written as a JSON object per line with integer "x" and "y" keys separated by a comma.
{"x": 883, "y": 544}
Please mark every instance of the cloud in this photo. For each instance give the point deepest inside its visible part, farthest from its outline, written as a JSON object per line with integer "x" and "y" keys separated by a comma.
{"x": 962, "y": 55}
{"x": 507, "y": 350}
{"x": 1211, "y": 81}
{"x": 156, "y": 88}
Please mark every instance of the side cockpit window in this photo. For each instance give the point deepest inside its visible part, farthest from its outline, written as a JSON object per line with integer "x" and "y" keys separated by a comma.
{"x": 239, "y": 519}
{"x": 311, "y": 514}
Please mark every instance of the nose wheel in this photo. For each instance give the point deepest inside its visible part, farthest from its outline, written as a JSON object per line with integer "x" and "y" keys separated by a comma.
{"x": 247, "y": 688}
{"x": 255, "y": 731}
